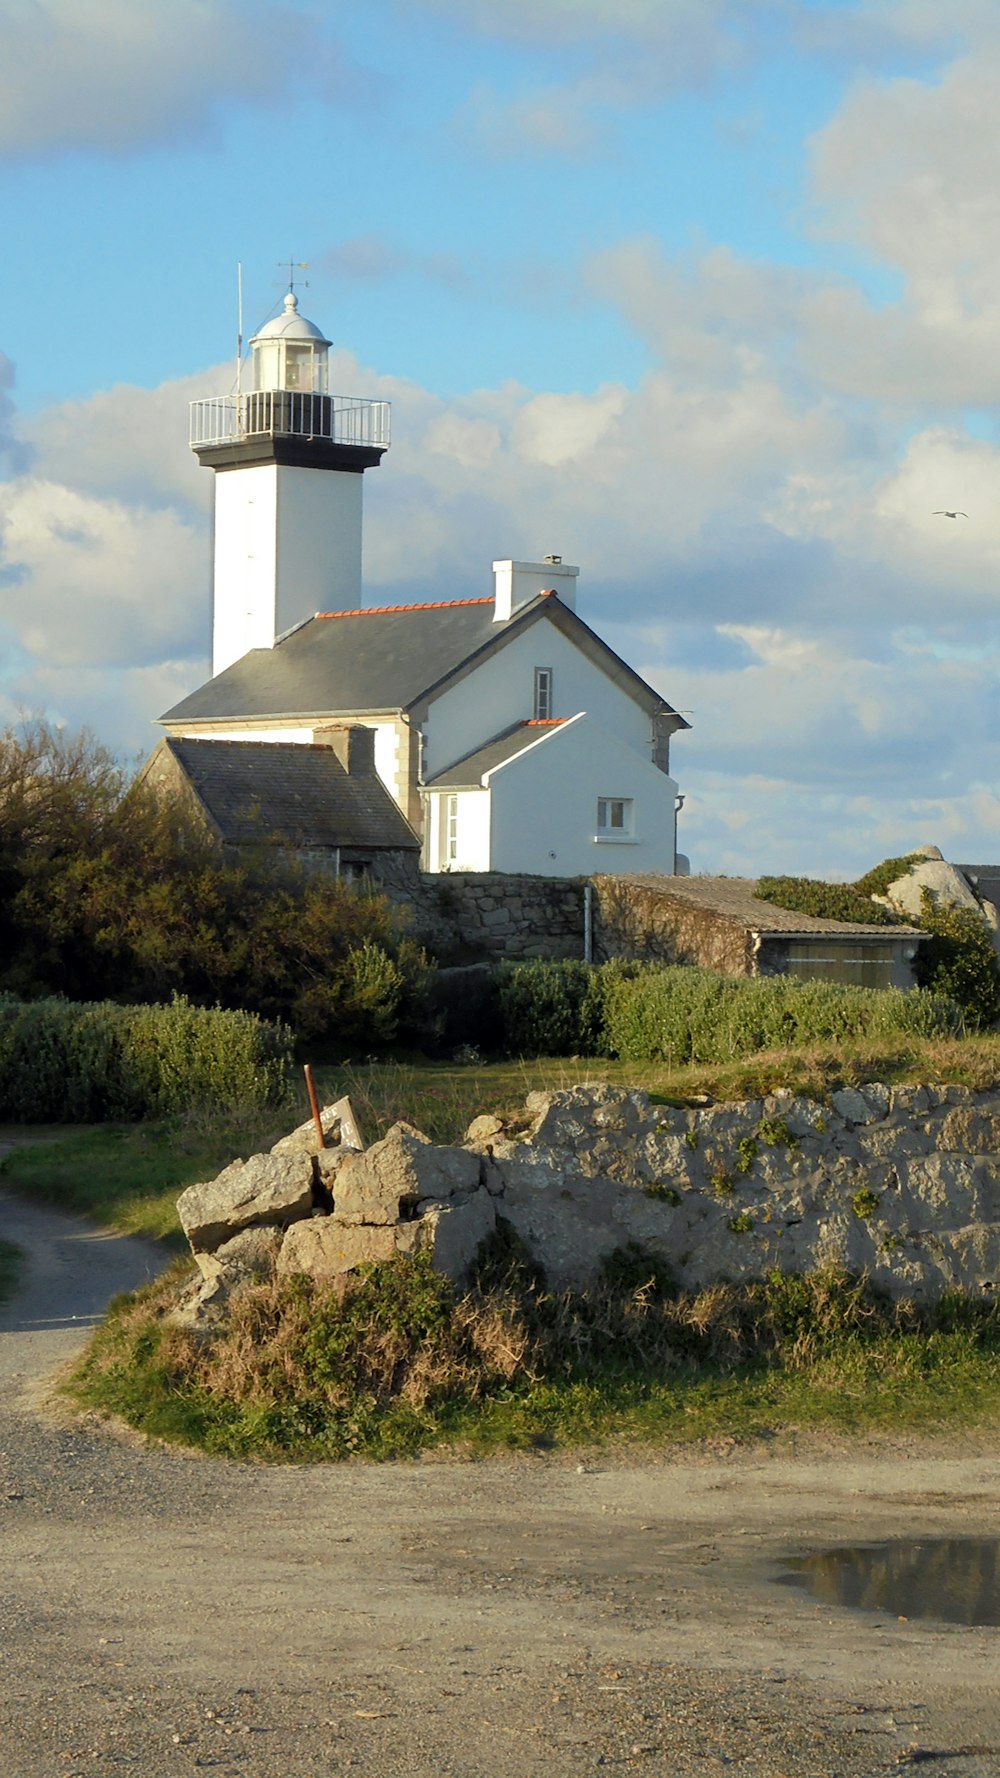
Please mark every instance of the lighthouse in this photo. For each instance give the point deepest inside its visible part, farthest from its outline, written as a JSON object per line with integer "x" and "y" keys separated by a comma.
{"x": 288, "y": 459}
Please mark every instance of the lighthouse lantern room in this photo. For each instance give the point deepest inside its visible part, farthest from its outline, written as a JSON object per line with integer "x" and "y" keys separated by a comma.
{"x": 289, "y": 458}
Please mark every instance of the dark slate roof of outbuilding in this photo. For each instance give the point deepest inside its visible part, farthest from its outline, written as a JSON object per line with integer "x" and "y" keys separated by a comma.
{"x": 383, "y": 658}
{"x": 293, "y": 793}
{"x": 468, "y": 772}
{"x": 734, "y": 899}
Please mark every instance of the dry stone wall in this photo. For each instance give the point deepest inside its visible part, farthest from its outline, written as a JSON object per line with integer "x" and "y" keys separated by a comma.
{"x": 900, "y": 1184}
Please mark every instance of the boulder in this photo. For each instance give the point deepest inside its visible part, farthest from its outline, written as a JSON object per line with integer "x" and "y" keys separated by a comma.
{"x": 386, "y": 1184}
{"x": 252, "y": 1253}
{"x": 452, "y": 1233}
{"x": 276, "y": 1189}
{"x": 325, "y": 1247}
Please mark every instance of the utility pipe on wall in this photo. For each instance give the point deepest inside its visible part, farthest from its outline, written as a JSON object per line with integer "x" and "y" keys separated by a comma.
{"x": 588, "y": 923}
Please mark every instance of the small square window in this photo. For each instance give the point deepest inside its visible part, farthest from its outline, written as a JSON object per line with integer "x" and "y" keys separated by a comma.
{"x": 542, "y": 703}
{"x": 614, "y": 817}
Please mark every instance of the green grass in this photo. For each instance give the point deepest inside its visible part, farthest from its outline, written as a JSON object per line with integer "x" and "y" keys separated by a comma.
{"x": 10, "y": 1267}
{"x": 129, "y": 1177}
{"x": 400, "y": 1365}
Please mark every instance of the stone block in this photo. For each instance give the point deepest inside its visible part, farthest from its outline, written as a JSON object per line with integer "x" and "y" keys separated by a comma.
{"x": 325, "y": 1247}
{"x": 252, "y": 1252}
{"x": 385, "y": 1184}
{"x": 452, "y": 1233}
{"x": 266, "y": 1188}
{"x": 853, "y": 1107}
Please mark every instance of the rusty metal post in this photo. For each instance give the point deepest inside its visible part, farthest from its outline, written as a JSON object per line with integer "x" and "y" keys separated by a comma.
{"x": 314, "y": 1105}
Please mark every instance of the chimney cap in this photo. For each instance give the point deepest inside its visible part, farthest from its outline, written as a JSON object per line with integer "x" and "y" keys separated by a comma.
{"x": 552, "y": 561}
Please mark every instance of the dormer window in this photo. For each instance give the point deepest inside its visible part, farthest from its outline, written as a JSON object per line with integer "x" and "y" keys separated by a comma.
{"x": 541, "y": 708}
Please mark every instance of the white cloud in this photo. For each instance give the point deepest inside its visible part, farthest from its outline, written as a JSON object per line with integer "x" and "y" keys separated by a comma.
{"x": 114, "y": 75}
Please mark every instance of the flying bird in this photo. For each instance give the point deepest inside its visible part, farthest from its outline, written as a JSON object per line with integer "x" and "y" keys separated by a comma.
{"x": 942, "y": 513}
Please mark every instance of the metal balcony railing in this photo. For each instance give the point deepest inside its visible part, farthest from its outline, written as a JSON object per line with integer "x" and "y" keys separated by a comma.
{"x": 272, "y": 413}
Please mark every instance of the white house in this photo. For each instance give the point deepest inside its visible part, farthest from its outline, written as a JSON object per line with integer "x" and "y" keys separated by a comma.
{"x": 510, "y": 735}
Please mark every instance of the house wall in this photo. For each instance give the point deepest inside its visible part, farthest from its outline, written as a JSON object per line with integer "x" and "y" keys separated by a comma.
{"x": 499, "y": 692}
{"x": 544, "y": 806}
{"x": 287, "y": 544}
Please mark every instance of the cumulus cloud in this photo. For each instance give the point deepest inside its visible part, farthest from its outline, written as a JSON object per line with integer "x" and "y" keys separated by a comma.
{"x": 112, "y": 76}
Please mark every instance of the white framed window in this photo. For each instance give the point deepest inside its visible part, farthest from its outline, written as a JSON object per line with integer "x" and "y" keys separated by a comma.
{"x": 450, "y": 829}
{"x": 541, "y": 705}
{"x": 615, "y": 817}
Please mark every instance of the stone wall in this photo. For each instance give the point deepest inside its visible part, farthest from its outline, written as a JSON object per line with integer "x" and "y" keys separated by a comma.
{"x": 900, "y": 1184}
{"x": 469, "y": 916}
{"x": 633, "y": 920}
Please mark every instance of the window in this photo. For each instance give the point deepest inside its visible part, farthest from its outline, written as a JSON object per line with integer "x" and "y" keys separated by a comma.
{"x": 541, "y": 708}
{"x": 451, "y": 829}
{"x": 614, "y": 817}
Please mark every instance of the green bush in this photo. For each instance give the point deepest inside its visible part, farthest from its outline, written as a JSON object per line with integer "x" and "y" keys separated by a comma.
{"x": 73, "y": 1062}
{"x": 679, "y": 1015}
{"x": 958, "y": 959}
{"x": 552, "y": 1009}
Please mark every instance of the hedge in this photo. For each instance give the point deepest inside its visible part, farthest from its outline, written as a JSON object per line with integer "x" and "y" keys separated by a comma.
{"x": 65, "y": 1061}
{"x": 655, "y": 1012}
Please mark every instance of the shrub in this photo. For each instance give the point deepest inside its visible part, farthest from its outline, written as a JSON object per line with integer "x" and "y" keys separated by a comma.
{"x": 959, "y": 959}
{"x": 551, "y": 1009}
{"x": 72, "y": 1062}
{"x": 679, "y": 1015}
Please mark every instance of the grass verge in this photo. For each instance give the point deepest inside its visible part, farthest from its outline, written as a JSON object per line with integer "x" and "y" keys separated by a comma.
{"x": 10, "y": 1268}
{"x": 397, "y": 1363}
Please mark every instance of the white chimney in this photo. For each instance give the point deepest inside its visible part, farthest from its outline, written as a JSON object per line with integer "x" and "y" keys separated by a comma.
{"x": 517, "y": 583}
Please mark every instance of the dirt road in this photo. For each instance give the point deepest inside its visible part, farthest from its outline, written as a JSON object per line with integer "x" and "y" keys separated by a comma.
{"x": 166, "y": 1615}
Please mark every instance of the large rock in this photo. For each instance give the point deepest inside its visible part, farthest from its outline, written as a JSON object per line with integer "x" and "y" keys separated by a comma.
{"x": 325, "y": 1247}
{"x": 947, "y": 885}
{"x": 276, "y": 1189}
{"x": 386, "y": 1184}
{"x": 251, "y": 1254}
{"x": 452, "y": 1233}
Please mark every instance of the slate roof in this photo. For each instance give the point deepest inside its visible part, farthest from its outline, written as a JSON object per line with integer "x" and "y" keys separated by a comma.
{"x": 468, "y": 773}
{"x": 734, "y": 899}
{"x": 296, "y": 794}
{"x": 383, "y": 658}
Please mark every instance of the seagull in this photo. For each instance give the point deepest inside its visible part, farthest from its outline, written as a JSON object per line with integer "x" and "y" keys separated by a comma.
{"x": 941, "y": 513}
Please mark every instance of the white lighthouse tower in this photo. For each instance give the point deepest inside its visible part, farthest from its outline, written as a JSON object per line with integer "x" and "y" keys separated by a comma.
{"x": 289, "y": 458}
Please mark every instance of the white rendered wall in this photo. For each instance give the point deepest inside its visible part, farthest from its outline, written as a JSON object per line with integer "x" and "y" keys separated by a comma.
{"x": 287, "y": 544}
{"x": 499, "y": 692}
{"x": 544, "y": 807}
{"x": 473, "y": 831}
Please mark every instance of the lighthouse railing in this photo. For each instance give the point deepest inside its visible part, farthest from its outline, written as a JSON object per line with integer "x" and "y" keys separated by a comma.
{"x": 271, "y": 413}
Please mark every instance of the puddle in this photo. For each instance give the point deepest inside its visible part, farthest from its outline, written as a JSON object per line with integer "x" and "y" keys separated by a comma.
{"x": 952, "y": 1579}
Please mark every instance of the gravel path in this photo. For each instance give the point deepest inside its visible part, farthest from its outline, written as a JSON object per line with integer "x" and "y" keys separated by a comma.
{"x": 165, "y": 1615}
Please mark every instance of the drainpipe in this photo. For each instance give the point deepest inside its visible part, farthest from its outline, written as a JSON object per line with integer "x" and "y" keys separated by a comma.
{"x": 678, "y": 806}
{"x": 588, "y": 923}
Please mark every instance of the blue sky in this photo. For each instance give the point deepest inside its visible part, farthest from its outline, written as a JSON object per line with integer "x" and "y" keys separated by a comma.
{"x": 701, "y": 294}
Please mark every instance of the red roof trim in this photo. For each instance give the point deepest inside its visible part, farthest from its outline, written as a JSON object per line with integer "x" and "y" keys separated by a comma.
{"x": 380, "y": 610}
{"x": 544, "y": 722}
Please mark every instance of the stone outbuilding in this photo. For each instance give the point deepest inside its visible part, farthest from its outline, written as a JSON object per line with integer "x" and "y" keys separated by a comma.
{"x": 323, "y": 804}
{"x": 718, "y": 923}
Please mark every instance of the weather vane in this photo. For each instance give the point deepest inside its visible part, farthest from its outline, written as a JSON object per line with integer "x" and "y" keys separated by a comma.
{"x": 295, "y": 265}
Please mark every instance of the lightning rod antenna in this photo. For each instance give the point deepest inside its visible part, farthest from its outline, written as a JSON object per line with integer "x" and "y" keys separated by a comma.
{"x": 239, "y": 327}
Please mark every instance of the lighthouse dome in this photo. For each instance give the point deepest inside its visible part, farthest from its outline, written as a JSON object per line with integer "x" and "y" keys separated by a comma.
{"x": 290, "y": 352}
{"x": 290, "y": 325}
